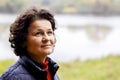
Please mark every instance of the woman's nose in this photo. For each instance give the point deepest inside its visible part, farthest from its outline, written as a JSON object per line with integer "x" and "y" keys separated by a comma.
{"x": 46, "y": 37}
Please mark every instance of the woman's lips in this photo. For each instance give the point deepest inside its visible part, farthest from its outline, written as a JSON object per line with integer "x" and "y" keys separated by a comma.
{"x": 46, "y": 46}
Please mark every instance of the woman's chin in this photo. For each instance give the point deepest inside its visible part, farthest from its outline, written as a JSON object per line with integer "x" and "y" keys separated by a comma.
{"x": 48, "y": 52}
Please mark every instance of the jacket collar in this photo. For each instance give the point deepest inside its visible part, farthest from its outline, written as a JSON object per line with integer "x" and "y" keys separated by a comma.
{"x": 34, "y": 69}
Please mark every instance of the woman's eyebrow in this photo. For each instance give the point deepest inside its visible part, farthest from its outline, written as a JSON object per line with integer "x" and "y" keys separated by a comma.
{"x": 39, "y": 29}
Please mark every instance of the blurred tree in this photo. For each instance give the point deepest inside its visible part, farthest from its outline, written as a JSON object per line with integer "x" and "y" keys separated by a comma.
{"x": 14, "y": 6}
{"x": 58, "y": 5}
{"x": 64, "y": 6}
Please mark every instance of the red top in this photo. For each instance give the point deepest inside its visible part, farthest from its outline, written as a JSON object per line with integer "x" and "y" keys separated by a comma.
{"x": 47, "y": 69}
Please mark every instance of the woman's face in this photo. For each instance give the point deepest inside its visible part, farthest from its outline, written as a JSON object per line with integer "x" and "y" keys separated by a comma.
{"x": 40, "y": 39}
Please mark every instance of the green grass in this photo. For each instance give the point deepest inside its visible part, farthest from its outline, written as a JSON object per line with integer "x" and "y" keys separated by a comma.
{"x": 101, "y": 69}
{"x": 5, "y": 64}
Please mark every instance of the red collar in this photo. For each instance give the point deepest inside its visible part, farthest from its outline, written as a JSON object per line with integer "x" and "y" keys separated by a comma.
{"x": 45, "y": 67}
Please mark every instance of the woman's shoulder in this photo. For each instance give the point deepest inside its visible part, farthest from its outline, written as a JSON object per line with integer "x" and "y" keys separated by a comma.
{"x": 14, "y": 72}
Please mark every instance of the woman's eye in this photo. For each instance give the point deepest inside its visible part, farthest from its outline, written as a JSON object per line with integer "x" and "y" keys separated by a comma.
{"x": 38, "y": 34}
{"x": 50, "y": 33}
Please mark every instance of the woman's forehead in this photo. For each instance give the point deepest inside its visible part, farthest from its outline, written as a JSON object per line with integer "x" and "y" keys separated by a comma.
{"x": 40, "y": 25}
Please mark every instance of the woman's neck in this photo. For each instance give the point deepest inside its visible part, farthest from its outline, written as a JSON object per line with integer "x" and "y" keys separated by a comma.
{"x": 37, "y": 59}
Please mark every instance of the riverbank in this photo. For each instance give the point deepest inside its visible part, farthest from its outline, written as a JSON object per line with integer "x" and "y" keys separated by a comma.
{"x": 99, "y": 69}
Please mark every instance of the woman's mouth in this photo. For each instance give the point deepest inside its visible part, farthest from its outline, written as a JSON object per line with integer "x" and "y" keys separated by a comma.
{"x": 46, "y": 46}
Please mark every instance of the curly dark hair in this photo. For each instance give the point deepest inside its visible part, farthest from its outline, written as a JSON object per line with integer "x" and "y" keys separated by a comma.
{"x": 19, "y": 29}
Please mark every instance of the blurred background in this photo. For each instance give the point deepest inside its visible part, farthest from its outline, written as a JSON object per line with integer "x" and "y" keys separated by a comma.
{"x": 88, "y": 35}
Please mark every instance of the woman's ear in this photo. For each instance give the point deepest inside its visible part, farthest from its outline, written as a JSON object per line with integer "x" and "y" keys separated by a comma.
{"x": 55, "y": 38}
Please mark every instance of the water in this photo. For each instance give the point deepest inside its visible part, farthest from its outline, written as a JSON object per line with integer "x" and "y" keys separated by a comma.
{"x": 77, "y": 45}
{"x": 78, "y": 37}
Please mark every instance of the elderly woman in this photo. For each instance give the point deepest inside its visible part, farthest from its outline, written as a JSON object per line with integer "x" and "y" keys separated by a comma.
{"x": 32, "y": 38}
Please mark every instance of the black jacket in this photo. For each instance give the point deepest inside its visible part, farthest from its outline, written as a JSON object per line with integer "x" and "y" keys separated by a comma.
{"x": 26, "y": 69}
